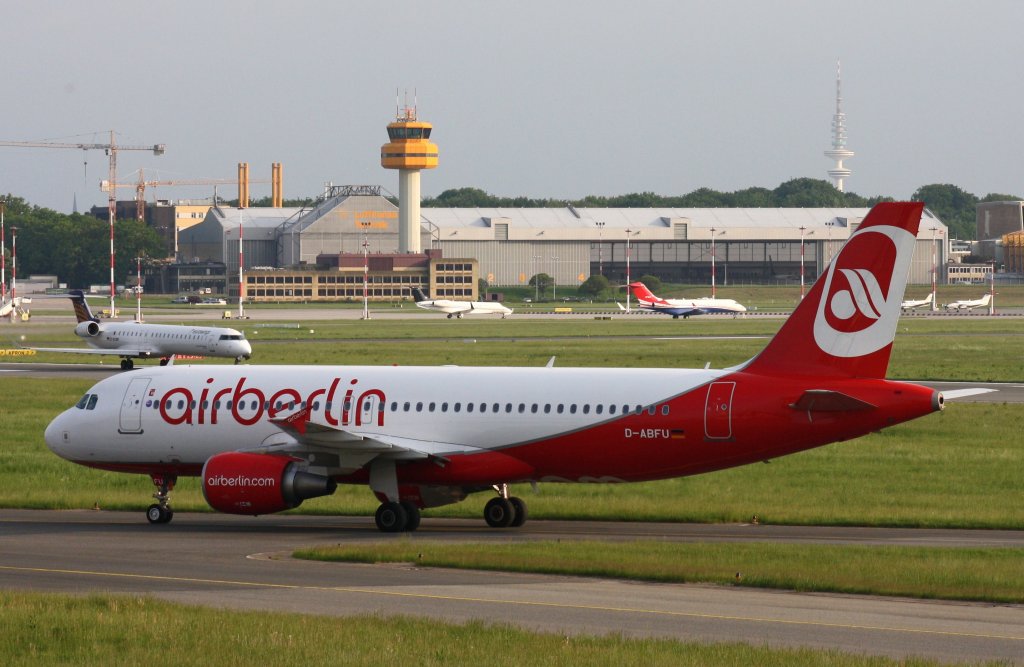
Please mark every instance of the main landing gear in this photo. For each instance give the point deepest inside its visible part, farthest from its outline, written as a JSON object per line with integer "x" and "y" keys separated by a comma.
{"x": 160, "y": 511}
{"x": 127, "y": 364}
{"x": 505, "y": 511}
{"x": 397, "y": 517}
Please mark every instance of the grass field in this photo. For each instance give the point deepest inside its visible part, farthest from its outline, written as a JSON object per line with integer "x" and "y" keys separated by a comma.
{"x": 41, "y": 630}
{"x": 990, "y": 575}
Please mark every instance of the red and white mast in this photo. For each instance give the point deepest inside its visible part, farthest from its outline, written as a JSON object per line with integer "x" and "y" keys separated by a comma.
{"x": 3, "y": 258}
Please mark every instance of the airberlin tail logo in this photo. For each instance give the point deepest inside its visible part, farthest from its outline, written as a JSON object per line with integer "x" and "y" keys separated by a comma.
{"x": 862, "y": 294}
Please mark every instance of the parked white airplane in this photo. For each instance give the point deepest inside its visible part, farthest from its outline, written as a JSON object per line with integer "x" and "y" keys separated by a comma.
{"x": 682, "y": 307}
{"x": 911, "y": 304}
{"x": 970, "y": 304}
{"x": 265, "y": 438}
{"x": 138, "y": 340}
{"x": 459, "y": 308}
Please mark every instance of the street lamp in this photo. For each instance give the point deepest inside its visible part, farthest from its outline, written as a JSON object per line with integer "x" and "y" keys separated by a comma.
{"x": 366, "y": 270}
{"x": 600, "y": 248}
{"x": 629, "y": 233}
{"x": 14, "y": 264}
{"x": 3, "y": 258}
{"x": 935, "y": 267}
{"x": 713, "y": 260}
{"x": 802, "y": 228}
{"x": 536, "y": 279}
{"x": 554, "y": 278}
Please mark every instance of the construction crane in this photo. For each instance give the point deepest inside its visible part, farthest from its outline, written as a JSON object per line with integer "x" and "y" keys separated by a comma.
{"x": 111, "y": 150}
{"x": 141, "y": 185}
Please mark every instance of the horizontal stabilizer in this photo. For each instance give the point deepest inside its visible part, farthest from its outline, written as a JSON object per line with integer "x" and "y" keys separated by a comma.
{"x": 825, "y": 400}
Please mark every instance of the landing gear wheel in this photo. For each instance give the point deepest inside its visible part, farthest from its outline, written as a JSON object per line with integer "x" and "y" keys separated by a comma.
{"x": 499, "y": 513}
{"x": 159, "y": 513}
{"x": 163, "y": 362}
{"x": 127, "y": 364}
{"x": 412, "y": 515}
{"x": 391, "y": 518}
{"x": 519, "y": 512}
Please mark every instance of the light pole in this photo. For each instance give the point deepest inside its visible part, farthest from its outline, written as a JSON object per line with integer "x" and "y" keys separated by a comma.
{"x": 629, "y": 233}
{"x": 600, "y": 248}
{"x": 935, "y": 269}
{"x": 14, "y": 264}
{"x": 713, "y": 261}
{"x": 802, "y": 228}
{"x": 3, "y": 258}
{"x": 536, "y": 279}
{"x": 138, "y": 289}
{"x": 241, "y": 270}
{"x": 554, "y": 278}
{"x": 366, "y": 271}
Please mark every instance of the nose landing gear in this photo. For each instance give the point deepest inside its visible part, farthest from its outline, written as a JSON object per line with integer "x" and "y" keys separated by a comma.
{"x": 160, "y": 511}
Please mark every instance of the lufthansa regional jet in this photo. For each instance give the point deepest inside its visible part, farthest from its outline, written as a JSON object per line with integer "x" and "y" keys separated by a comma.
{"x": 682, "y": 307}
{"x": 136, "y": 340}
{"x": 265, "y": 438}
{"x": 459, "y": 308}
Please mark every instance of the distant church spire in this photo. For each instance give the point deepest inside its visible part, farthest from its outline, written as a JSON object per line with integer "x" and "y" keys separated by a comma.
{"x": 839, "y": 151}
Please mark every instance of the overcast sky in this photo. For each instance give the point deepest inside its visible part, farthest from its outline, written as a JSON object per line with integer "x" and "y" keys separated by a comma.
{"x": 543, "y": 99}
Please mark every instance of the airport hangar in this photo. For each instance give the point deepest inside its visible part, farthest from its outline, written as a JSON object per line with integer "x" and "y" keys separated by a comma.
{"x": 316, "y": 253}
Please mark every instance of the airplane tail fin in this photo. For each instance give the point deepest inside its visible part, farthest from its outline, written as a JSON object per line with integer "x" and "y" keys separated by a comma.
{"x": 418, "y": 295}
{"x": 846, "y": 324}
{"x": 78, "y": 302}
{"x": 640, "y": 291}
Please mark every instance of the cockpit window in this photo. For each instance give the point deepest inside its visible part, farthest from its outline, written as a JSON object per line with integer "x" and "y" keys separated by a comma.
{"x": 81, "y": 403}
{"x": 92, "y": 401}
{"x": 232, "y": 337}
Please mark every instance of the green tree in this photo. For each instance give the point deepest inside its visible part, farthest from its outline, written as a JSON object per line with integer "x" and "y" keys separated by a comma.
{"x": 954, "y": 206}
{"x": 594, "y": 286}
{"x": 653, "y": 282}
{"x": 540, "y": 282}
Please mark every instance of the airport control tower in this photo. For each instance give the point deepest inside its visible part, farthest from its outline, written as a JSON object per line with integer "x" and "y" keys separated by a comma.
{"x": 408, "y": 151}
{"x": 839, "y": 151}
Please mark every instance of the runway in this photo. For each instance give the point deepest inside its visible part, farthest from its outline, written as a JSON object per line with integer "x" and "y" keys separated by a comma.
{"x": 244, "y": 563}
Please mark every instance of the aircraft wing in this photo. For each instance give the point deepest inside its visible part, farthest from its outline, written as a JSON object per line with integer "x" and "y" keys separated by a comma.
{"x": 675, "y": 311}
{"x": 121, "y": 352}
{"x": 353, "y": 445}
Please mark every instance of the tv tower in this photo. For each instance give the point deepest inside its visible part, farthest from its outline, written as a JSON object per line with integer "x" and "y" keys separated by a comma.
{"x": 839, "y": 151}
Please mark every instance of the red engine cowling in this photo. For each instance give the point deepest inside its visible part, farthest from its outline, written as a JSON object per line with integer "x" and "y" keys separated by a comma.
{"x": 87, "y": 329}
{"x": 237, "y": 483}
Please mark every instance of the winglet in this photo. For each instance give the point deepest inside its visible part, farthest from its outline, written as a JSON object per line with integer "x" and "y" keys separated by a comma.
{"x": 295, "y": 422}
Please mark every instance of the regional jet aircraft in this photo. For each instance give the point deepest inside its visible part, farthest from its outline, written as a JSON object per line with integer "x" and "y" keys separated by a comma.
{"x": 136, "y": 340}
{"x": 682, "y": 307}
{"x": 266, "y": 438}
{"x": 459, "y": 308}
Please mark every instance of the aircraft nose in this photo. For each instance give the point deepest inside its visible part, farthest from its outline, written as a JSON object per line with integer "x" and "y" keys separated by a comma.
{"x": 58, "y": 436}
{"x": 245, "y": 349}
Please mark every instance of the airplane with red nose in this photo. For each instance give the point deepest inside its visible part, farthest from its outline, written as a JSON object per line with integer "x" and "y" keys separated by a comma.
{"x": 266, "y": 438}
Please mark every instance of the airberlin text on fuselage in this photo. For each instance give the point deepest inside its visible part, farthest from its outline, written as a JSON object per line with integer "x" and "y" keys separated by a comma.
{"x": 247, "y": 405}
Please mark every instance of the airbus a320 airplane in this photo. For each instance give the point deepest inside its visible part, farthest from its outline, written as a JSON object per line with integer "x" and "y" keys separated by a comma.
{"x": 459, "y": 308}
{"x": 137, "y": 340}
{"x": 682, "y": 307}
{"x": 266, "y": 438}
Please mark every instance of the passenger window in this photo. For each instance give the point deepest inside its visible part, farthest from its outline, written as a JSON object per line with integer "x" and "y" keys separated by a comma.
{"x": 533, "y": 408}
{"x": 586, "y": 409}
{"x": 457, "y": 407}
{"x": 405, "y": 406}
{"x": 444, "y": 407}
{"x": 598, "y": 408}
{"x": 431, "y": 407}
{"x": 547, "y": 408}
{"x": 419, "y": 407}
{"x": 508, "y": 407}
{"x": 572, "y": 409}
{"x": 611, "y": 409}
{"x": 469, "y": 407}
{"x": 522, "y": 408}
{"x": 560, "y": 409}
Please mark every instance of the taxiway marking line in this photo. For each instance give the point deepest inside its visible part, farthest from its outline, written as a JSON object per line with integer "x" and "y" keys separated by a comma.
{"x": 524, "y": 603}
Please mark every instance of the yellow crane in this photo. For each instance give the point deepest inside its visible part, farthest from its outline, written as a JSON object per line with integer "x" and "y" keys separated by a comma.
{"x": 141, "y": 185}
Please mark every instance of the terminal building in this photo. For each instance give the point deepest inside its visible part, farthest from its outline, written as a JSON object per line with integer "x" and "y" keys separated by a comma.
{"x": 312, "y": 249}
{"x": 358, "y": 233}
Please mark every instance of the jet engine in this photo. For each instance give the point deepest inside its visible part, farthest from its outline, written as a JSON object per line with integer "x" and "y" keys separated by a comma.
{"x": 238, "y": 483}
{"x": 87, "y": 329}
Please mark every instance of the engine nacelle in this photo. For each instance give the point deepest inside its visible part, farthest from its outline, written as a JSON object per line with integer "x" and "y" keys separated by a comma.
{"x": 237, "y": 483}
{"x": 87, "y": 329}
